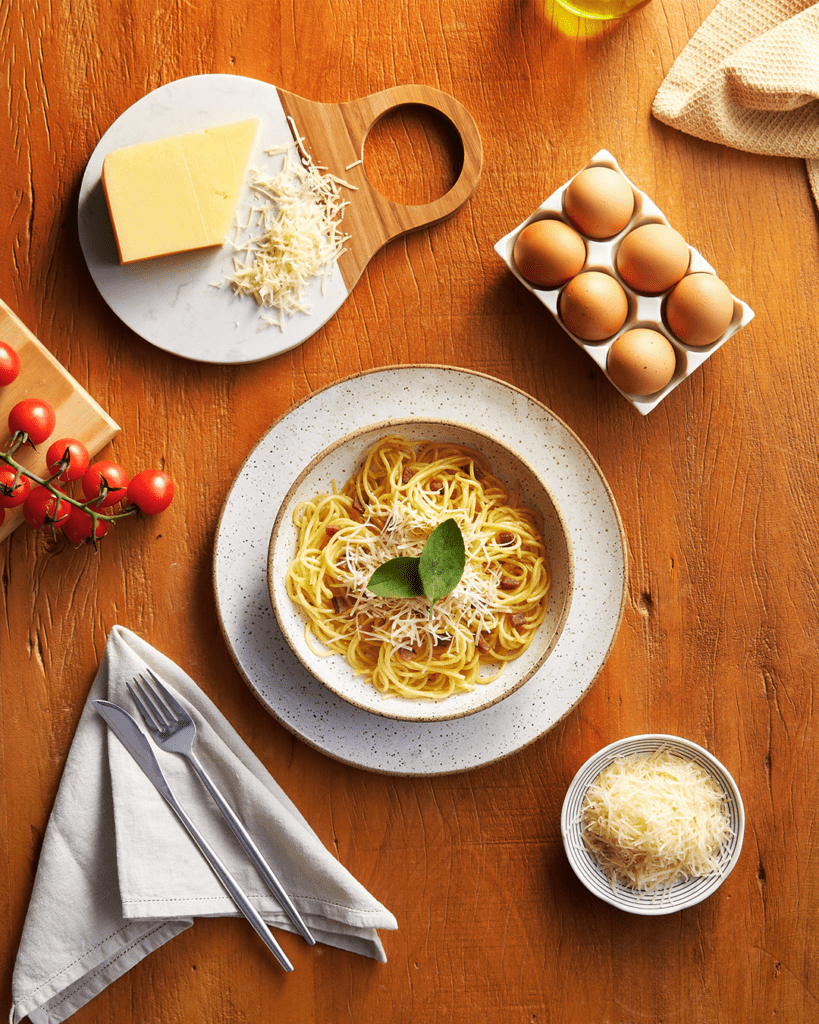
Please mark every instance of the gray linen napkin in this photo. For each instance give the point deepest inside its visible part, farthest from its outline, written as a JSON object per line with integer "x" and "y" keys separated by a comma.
{"x": 119, "y": 876}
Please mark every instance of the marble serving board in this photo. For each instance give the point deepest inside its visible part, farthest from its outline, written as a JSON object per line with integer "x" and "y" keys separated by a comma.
{"x": 180, "y": 303}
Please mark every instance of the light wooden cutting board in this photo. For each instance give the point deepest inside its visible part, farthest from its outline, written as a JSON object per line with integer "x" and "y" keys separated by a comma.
{"x": 42, "y": 376}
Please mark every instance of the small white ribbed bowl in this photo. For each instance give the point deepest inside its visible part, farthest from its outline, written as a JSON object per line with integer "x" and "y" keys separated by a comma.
{"x": 682, "y": 894}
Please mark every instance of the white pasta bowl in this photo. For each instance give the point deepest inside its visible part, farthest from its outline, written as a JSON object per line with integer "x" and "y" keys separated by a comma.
{"x": 682, "y": 894}
{"x": 336, "y": 465}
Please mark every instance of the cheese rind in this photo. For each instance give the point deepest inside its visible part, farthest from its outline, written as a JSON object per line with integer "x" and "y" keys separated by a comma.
{"x": 177, "y": 194}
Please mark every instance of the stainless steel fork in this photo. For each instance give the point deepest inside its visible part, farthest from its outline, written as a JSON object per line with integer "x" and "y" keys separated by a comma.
{"x": 174, "y": 730}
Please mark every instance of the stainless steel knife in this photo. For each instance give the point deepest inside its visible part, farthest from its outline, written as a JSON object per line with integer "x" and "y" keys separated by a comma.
{"x": 138, "y": 746}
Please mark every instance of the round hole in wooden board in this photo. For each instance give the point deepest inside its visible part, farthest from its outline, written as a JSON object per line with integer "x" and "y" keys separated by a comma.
{"x": 413, "y": 155}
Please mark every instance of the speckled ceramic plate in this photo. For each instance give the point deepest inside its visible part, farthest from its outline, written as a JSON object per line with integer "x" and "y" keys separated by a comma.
{"x": 306, "y": 707}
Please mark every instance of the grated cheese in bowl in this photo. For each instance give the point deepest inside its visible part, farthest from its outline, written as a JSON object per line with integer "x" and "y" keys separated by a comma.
{"x": 652, "y": 820}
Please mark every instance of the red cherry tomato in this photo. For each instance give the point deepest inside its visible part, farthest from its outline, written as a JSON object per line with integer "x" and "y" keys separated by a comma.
{"x": 79, "y": 527}
{"x": 67, "y": 459}
{"x": 105, "y": 481}
{"x": 42, "y": 508}
{"x": 11, "y": 494}
{"x": 151, "y": 491}
{"x": 9, "y": 364}
{"x": 34, "y": 418}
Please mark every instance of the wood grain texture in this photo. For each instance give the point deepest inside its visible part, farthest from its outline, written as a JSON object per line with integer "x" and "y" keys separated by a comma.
{"x": 717, "y": 489}
{"x": 334, "y": 136}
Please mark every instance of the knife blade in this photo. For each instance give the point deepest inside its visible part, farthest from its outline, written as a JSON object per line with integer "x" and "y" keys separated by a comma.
{"x": 138, "y": 746}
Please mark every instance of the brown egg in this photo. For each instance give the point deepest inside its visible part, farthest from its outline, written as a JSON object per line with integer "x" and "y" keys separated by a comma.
{"x": 593, "y": 306}
{"x": 548, "y": 253}
{"x": 652, "y": 258}
{"x": 641, "y": 361}
{"x": 699, "y": 309}
{"x": 599, "y": 202}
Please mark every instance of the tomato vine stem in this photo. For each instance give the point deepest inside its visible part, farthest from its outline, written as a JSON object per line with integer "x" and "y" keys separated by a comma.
{"x": 86, "y": 506}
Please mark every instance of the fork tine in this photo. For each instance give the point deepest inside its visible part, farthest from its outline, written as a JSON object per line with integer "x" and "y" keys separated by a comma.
{"x": 148, "y": 716}
{"x": 169, "y": 698}
{"x": 161, "y": 710}
{"x": 163, "y": 715}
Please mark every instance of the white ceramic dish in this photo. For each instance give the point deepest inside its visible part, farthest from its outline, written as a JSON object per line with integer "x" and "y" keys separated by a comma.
{"x": 320, "y": 718}
{"x": 338, "y": 464}
{"x": 683, "y": 894}
{"x": 644, "y": 310}
{"x": 172, "y": 302}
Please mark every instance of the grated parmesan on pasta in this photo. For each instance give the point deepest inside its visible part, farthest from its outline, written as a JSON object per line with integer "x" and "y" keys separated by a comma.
{"x": 292, "y": 234}
{"x": 472, "y": 607}
{"x": 654, "y": 820}
{"x": 389, "y": 508}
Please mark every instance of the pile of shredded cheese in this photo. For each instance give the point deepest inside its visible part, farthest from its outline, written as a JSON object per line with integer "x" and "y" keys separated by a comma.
{"x": 291, "y": 235}
{"x": 654, "y": 820}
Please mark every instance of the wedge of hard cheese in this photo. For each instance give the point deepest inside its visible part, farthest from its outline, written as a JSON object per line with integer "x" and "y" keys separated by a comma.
{"x": 177, "y": 194}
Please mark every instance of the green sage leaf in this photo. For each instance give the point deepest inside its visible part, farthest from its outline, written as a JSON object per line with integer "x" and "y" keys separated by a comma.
{"x": 442, "y": 561}
{"x": 397, "y": 578}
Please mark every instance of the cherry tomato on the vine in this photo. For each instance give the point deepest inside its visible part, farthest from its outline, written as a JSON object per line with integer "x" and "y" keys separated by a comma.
{"x": 11, "y": 494}
{"x": 151, "y": 491}
{"x": 67, "y": 459}
{"x": 105, "y": 481}
{"x": 34, "y": 418}
{"x": 79, "y": 527}
{"x": 9, "y": 364}
{"x": 43, "y": 508}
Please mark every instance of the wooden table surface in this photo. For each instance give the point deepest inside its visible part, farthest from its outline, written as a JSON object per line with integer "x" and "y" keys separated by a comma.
{"x": 717, "y": 489}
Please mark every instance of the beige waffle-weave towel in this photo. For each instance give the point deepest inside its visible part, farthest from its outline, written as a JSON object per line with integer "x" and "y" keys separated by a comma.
{"x": 749, "y": 78}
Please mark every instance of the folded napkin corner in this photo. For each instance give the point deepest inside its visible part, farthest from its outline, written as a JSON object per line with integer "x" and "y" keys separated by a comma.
{"x": 119, "y": 876}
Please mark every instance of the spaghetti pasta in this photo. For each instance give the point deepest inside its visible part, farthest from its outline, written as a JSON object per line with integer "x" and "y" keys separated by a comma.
{"x": 388, "y": 509}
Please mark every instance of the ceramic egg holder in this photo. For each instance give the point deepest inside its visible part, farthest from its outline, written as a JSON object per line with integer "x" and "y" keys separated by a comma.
{"x": 643, "y": 310}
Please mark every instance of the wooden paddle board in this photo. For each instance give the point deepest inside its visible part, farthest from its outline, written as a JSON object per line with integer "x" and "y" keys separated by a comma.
{"x": 180, "y": 303}
{"x": 42, "y": 376}
{"x": 335, "y": 135}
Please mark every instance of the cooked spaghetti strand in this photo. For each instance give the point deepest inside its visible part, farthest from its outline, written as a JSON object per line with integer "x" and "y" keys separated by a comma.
{"x": 388, "y": 509}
